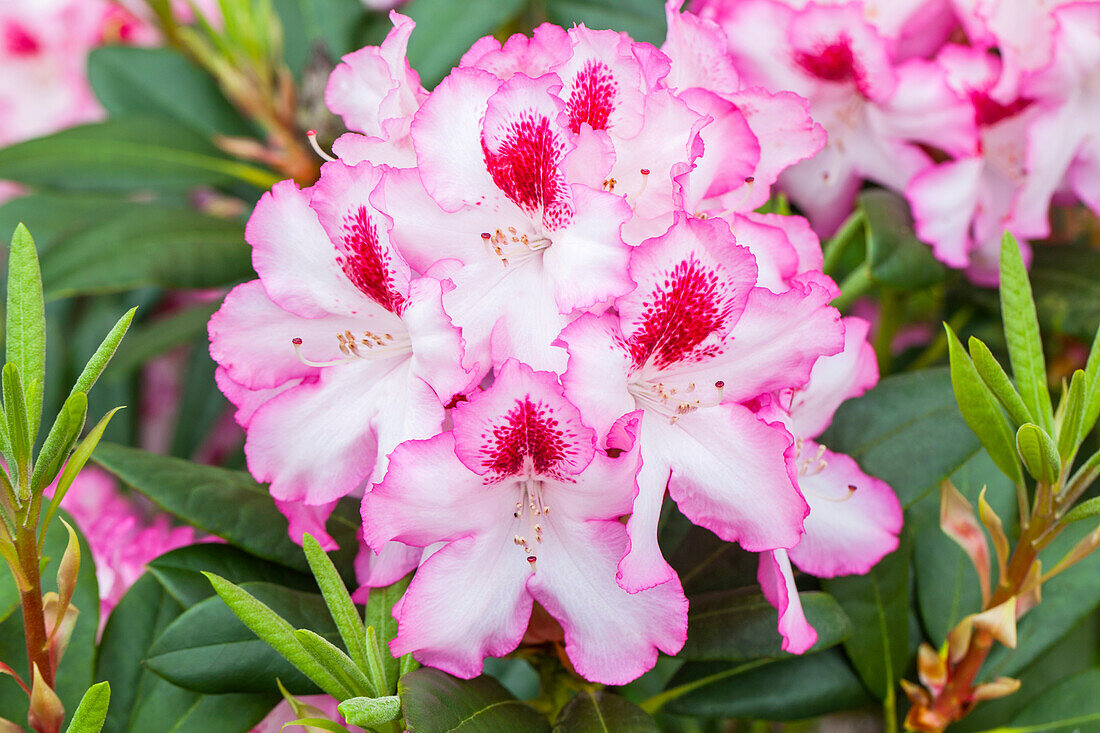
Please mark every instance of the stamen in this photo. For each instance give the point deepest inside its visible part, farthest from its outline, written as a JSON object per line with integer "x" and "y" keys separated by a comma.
{"x": 312, "y": 136}
{"x": 633, "y": 198}
{"x": 846, "y": 497}
{"x": 309, "y": 362}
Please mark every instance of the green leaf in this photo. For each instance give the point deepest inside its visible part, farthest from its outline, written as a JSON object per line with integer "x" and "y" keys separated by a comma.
{"x": 367, "y": 711}
{"x": 379, "y": 617}
{"x": 1039, "y": 453}
{"x": 735, "y": 626}
{"x": 896, "y": 256}
{"x": 146, "y": 703}
{"x": 1071, "y": 706}
{"x": 1072, "y": 410}
{"x": 321, "y": 723}
{"x": 25, "y": 334}
{"x": 74, "y": 675}
{"x": 878, "y": 605}
{"x": 906, "y": 431}
{"x": 643, "y": 21}
{"x": 435, "y": 702}
{"x": 333, "y": 659}
{"x": 103, "y": 353}
{"x": 60, "y": 440}
{"x": 793, "y": 689}
{"x": 980, "y": 410}
{"x": 1092, "y": 388}
{"x": 209, "y": 649}
{"x": 229, "y": 504}
{"x": 340, "y": 605}
{"x": 162, "y": 82}
{"x": 130, "y": 153}
{"x": 1084, "y": 510}
{"x": 53, "y": 216}
{"x": 76, "y": 464}
{"x": 1066, "y": 283}
{"x": 446, "y": 29}
{"x": 1025, "y": 348}
{"x": 150, "y": 245}
{"x": 15, "y": 413}
{"x": 92, "y": 711}
{"x": 602, "y": 712}
{"x": 181, "y": 571}
{"x": 991, "y": 372}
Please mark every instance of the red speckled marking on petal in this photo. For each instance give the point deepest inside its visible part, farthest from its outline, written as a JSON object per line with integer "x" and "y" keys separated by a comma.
{"x": 528, "y": 431}
{"x": 833, "y": 62}
{"x": 593, "y": 98}
{"x": 525, "y": 166}
{"x": 988, "y": 111}
{"x": 18, "y": 41}
{"x": 692, "y": 303}
{"x": 366, "y": 263}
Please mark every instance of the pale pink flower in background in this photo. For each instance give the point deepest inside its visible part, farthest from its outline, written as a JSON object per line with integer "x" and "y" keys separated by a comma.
{"x": 962, "y": 207}
{"x": 124, "y": 533}
{"x": 694, "y": 341}
{"x": 339, "y": 352}
{"x": 854, "y": 518}
{"x": 314, "y": 706}
{"x": 874, "y": 109}
{"x": 522, "y": 508}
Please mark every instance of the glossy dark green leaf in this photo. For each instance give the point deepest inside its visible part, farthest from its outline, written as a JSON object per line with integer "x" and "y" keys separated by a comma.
{"x": 947, "y": 584}
{"x": 907, "y": 431}
{"x": 602, "y": 712}
{"x": 446, "y": 29}
{"x": 792, "y": 689}
{"x": 208, "y": 650}
{"x": 162, "y": 82}
{"x": 146, "y": 703}
{"x": 122, "y": 155}
{"x": 52, "y": 216}
{"x": 1021, "y": 326}
{"x": 435, "y": 702}
{"x": 897, "y": 257}
{"x": 1072, "y": 706}
{"x": 1066, "y": 284}
{"x": 229, "y": 504}
{"x": 979, "y": 408}
{"x": 643, "y": 20}
{"x": 180, "y": 571}
{"x": 149, "y": 245}
{"x": 736, "y": 626}
{"x": 878, "y": 605}
{"x": 74, "y": 676}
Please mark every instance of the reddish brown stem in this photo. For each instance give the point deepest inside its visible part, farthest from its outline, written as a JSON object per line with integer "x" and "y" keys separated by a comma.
{"x": 34, "y": 621}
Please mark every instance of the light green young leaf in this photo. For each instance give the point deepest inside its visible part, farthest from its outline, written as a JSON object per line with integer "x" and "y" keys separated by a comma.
{"x": 980, "y": 410}
{"x": 15, "y": 412}
{"x": 339, "y": 602}
{"x": 1084, "y": 510}
{"x": 322, "y": 723}
{"x": 379, "y": 616}
{"x": 1039, "y": 453}
{"x": 103, "y": 353}
{"x": 76, "y": 462}
{"x": 333, "y": 659}
{"x": 1072, "y": 408}
{"x": 92, "y": 711}
{"x": 25, "y": 337}
{"x": 60, "y": 440}
{"x": 1092, "y": 387}
{"x": 277, "y": 633}
{"x": 367, "y": 711}
{"x": 1021, "y": 326}
{"x": 994, "y": 376}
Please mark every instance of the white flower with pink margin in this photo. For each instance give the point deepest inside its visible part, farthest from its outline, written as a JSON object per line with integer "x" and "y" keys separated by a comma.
{"x": 962, "y": 207}
{"x": 339, "y": 352}
{"x": 523, "y": 508}
{"x": 1063, "y": 149}
{"x": 854, "y": 518}
{"x": 874, "y": 109}
{"x": 491, "y": 206}
{"x": 687, "y": 348}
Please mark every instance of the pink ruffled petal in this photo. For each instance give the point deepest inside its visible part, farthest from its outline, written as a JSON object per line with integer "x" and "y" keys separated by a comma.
{"x": 599, "y": 367}
{"x": 777, "y": 581}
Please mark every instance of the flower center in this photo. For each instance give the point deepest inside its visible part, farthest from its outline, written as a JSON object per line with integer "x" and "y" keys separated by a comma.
{"x": 512, "y": 246}
{"x": 673, "y": 402}
{"x": 530, "y": 511}
{"x": 369, "y": 345}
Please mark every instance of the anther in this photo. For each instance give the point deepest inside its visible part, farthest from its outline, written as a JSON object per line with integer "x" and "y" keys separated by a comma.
{"x": 312, "y": 136}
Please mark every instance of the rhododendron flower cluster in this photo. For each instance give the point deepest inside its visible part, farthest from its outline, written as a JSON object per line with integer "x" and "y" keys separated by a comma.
{"x": 517, "y": 311}
{"x": 978, "y": 111}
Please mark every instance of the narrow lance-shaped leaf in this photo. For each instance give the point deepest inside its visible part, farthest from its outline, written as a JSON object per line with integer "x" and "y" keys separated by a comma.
{"x": 1073, "y": 411}
{"x": 368, "y": 711}
{"x": 1039, "y": 453}
{"x": 1092, "y": 387}
{"x": 25, "y": 336}
{"x": 379, "y": 617}
{"x": 76, "y": 462}
{"x": 339, "y": 603}
{"x": 277, "y": 633}
{"x": 1021, "y": 325}
{"x": 1084, "y": 510}
{"x": 92, "y": 711}
{"x": 994, "y": 376}
{"x": 63, "y": 434}
{"x": 979, "y": 408}
{"x": 15, "y": 412}
{"x": 335, "y": 661}
{"x": 103, "y": 353}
